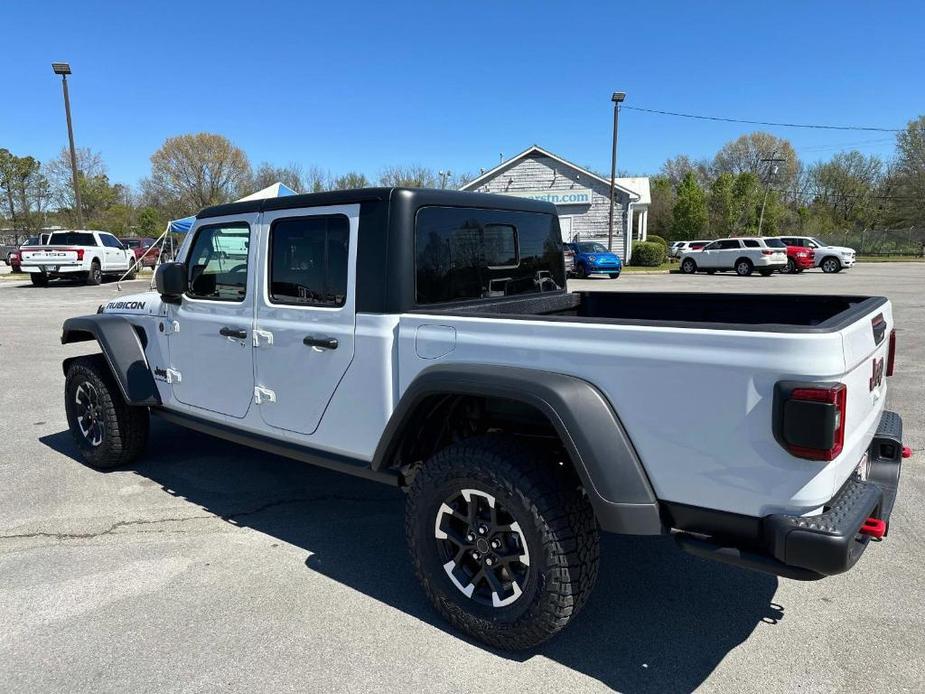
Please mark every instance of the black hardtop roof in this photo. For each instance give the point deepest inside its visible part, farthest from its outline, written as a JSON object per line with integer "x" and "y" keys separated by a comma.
{"x": 415, "y": 197}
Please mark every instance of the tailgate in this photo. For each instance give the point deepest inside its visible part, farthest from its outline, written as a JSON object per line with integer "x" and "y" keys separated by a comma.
{"x": 866, "y": 347}
{"x": 45, "y": 256}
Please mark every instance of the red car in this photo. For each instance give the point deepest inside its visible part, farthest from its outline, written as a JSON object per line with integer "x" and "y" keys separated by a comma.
{"x": 799, "y": 258}
{"x": 140, "y": 246}
{"x": 13, "y": 260}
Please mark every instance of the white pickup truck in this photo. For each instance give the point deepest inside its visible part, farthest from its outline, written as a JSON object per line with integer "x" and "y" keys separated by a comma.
{"x": 426, "y": 339}
{"x": 86, "y": 255}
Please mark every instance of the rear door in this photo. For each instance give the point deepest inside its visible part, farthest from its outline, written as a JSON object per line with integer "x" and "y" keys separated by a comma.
{"x": 211, "y": 343}
{"x": 306, "y": 313}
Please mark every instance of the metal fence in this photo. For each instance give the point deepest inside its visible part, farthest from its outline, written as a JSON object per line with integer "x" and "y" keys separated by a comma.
{"x": 881, "y": 242}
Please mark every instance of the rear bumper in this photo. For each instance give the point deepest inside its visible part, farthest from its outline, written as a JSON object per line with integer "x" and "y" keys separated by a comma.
{"x": 812, "y": 547}
{"x": 60, "y": 269}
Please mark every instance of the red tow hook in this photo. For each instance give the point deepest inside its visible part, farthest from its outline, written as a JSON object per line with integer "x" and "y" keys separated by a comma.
{"x": 907, "y": 452}
{"x": 874, "y": 527}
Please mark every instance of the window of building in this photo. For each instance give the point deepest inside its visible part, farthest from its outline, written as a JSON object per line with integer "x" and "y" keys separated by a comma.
{"x": 467, "y": 253}
{"x": 217, "y": 262}
{"x": 308, "y": 260}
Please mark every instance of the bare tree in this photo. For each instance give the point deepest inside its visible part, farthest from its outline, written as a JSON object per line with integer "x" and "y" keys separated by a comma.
{"x": 290, "y": 175}
{"x": 413, "y": 176}
{"x": 351, "y": 180}
{"x": 746, "y": 154}
{"x": 197, "y": 170}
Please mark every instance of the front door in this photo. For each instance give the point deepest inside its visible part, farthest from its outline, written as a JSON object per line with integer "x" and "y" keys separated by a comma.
{"x": 211, "y": 343}
{"x": 306, "y": 312}
{"x": 565, "y": 226}
{"x": 709, "y": 256}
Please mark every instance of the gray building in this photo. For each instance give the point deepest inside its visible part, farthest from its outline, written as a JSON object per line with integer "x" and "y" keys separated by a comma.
{"x": 581, "y": 196}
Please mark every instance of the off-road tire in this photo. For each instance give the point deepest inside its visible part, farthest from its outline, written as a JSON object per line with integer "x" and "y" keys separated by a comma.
{"x": 689, "y": 266}
{"x": 124, "y": 427}
{"x": 39, "y": 279}
{"x": 95, "y": 275}
{"x": 557, "y": 523}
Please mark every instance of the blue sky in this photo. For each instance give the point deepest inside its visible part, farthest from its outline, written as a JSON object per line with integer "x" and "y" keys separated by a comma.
{"x": 451, "y": 84}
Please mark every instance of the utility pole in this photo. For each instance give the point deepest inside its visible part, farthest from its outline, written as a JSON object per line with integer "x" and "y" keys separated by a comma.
{"x": 617, "y": 98}
{"x": 64, "y": 70}
{"x": 772, "y": 162}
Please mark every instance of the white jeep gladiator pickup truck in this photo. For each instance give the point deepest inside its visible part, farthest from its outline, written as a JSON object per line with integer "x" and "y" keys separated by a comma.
{"x": 86, "y": 255}
{"x": 426, "y": 339}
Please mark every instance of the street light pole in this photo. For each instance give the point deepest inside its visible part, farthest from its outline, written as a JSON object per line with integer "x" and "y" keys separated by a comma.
{"x": 617, "y": 99}
{"x": 64, "y": 70}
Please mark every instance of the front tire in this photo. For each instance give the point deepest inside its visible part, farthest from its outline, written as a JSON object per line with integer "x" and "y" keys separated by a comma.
{"x": 108, "y": 432}
{"x": 689, "y": 267}
{"x": 830, "y": 265}
{"x": 503, "y": 542}
{"x": 791, "y": 267}
{"x": 766, "y": 273}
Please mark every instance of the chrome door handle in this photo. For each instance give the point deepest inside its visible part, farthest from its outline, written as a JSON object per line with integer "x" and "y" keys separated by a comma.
{"x": 320, "y": 341}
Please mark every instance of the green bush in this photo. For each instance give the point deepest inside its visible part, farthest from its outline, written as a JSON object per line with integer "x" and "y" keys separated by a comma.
{"x": 652, "y": 238}
{"x": 647, "y": 254}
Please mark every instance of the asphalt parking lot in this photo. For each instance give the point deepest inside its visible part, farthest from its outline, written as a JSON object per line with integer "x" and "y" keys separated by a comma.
{"x": 213, "y": 567}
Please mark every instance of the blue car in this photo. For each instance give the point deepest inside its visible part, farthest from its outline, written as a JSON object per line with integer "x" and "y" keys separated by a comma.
{"x": 593, "y": 258}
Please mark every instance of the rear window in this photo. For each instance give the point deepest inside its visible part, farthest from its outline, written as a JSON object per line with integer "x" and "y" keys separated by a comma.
{"x": 469, "y": 253}
{"x": 774, "y": 243}
{"x": 72, "y": 238}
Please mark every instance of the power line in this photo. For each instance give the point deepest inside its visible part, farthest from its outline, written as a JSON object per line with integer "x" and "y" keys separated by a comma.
{"x": 760, "y": 122}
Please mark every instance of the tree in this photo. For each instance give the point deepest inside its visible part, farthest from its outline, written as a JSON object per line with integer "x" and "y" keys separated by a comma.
{"x": 907, "y": 183}
{"x": 676, "y": 168}
{"x": 844, "y": 189}
{"x": 747, "y": 197}
{"x": 690, "y": 211}
{"x": 414, "y": 176}
{"x": 350, "y": 181}
{"x": 267, "y": 174}
{"x": 660, "y": 209}
{"x": 193, "y": 171}
{"x": 723, "y": 208}
{"x": 25, "y": 191}
{"x": 149, "y": 222}
{"x": 745, "y": 155}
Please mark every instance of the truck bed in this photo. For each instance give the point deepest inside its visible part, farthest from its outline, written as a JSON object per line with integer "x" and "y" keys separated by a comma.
{"x": 718, "y": 311}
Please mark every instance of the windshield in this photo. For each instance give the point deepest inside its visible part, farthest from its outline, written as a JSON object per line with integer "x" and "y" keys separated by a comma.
{"x": 131, "y": 243}
{"x": 590, "y": 247}
{"x": 774, "y": 243}
{"x": 72, "y": 238}
{"x": 819, "y": 242}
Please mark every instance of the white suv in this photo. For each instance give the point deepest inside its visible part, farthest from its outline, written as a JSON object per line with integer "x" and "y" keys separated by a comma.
{"x": 829, "y": 258}
{"x": 744, "y": 255}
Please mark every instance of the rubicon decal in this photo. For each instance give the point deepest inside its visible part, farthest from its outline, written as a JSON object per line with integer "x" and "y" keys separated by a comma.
{"x": 876, "y": 377}
{"x": 130, "y": 305}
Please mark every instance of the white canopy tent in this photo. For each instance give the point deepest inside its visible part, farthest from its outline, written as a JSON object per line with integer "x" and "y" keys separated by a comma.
{"x": 182, "y": 226}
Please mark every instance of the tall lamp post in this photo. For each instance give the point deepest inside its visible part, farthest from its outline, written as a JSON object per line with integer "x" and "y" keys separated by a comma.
{"x": 617, "y": 99}
{"x": 64, "y": 70}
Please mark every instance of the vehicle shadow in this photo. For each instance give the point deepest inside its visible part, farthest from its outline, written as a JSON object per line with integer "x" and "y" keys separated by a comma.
{"x": 659, "y": 620}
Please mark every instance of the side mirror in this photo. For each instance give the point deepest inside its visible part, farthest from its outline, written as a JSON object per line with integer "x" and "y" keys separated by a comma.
{"x": 170, "y": 280}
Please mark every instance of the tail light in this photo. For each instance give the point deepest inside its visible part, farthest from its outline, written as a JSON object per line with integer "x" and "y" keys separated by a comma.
{"x": 80, "y": 253}
{"x": 810, "y": 419}
{"x": 767, "y": 252}
{"x": 891, "y": 353}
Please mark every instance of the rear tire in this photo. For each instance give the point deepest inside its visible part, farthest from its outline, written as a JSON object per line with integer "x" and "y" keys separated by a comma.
{"x": 95, "y": 276}
{"x": 493, "y": 489}
{"x": 108, "y": 432}
{"x": 39, "y": 279}
{"x": 744, "y": 267}
{"x": 689, "y": 266}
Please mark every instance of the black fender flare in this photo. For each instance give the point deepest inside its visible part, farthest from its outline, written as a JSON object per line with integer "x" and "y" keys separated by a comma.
{"x": 124, "y": 352}
{"x": 604, "y": 457}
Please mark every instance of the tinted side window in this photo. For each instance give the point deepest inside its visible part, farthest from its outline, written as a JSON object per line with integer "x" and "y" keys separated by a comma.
{"x": 468, "y": 253}
{"x": 110, "y": 241}
{"x": 217, "y": 262}
{"x": 308, "y": 260}
{"x": 751, "y": 243}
